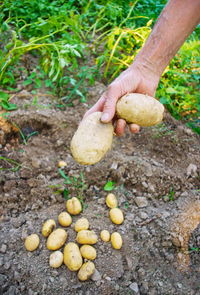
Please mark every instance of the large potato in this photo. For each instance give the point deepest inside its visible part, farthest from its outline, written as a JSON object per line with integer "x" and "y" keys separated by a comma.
{"x": 81, "y": 224}
{"x": 32, "y": 242}
{"x": 140, "y": 109}
{"x": 48, "y": 227}
{"x": 56, "y": 239}
{"x": 116, "y": 240}
{"x": 87, "y": 237}
{"x": 116, "y": 216}
{"x": 56, "y": 259}
{"x": 74, "y": 206}
{"x": 92, "y": 140}
{"x": 72, "y": 257}
{"x": 64, "y": 219}
{"x": 111, "y": 201}
{"x": 86, "y": 271}
{"x": 88, "y": 252}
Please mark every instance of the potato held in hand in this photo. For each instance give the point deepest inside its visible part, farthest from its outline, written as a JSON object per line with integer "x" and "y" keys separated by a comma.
{"x": 92, "y": 140}
{"x": 140, "y": 109}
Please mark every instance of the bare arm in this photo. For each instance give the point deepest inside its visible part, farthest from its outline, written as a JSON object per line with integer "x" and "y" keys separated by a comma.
{"x": 177, "y": 20}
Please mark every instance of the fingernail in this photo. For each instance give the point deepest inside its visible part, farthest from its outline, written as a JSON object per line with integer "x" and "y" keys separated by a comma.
{"x": 105, "y": 117}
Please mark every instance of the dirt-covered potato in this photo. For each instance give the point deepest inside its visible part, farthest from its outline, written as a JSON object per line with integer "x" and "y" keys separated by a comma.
{"x": 88, "y": 252}
{"x": 56, "y": 239}
{"x": 105, "y": 235}
{"x": 86, "y": 271}
{"x": 92, "y": 140}
{"x": 74, "y": 206}
{"x": 111, "y": 201}
{"x": 116, "y": 216}
{"x": 116, "y": 240}
{"x": 62, "y": 164}
{"x": 64, "y": 219}
{"x": 72, "y": 257}
{"x": 81, "y": 224}
{"x": 32, "y": 242}
{"x": 140, "y": 109}
{"x": 56, "y": 259}
{"x": 48, "y": 227}
{"x": 87, "y": 237}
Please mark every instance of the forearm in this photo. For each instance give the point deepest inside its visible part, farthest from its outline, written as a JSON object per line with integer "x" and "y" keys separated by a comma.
{"x": 176, "y": 22}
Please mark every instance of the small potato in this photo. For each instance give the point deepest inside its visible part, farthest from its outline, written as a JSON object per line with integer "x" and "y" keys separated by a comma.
{"x": 73, "y": 206}
{"x": 81, "y": 224}
{"x": 56, "y": 239}
{"x": 48, "y": 227}
{"x": 116, "y": 216}
{"x": 111, "y": 201}
{"x": 105, "y": 235}
{"x": 62, "y": 164}
{"x": 140, "y": 109}
{"x": 56, "y": 259}
{"x": 72, "y": 257}
{"x": 32, "y": 242}
{"x": 92, "y": 140}
{"x": 116, "y": 240}
{"x": 88, "y": 252}
{"x": 87, "y": 237}
{"x": 64, "y": 219}
{"x": 86, "y": 271}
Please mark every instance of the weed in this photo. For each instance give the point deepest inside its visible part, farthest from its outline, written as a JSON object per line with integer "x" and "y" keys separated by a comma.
{"x": 15, "y": 166}
{"x": 4, "y": 102}
{"x": 109, "y": 186}
{"x": 171, "y": 195}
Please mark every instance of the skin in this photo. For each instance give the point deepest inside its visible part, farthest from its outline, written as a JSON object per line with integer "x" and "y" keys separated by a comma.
{"x": 176, "y": 22}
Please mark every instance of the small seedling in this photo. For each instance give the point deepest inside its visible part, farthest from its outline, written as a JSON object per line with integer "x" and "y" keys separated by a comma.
{"x": 109, "y": 186}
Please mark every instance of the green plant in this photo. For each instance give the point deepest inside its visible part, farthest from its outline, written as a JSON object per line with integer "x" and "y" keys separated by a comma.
{"x": 4, "y": 102}
{"x": 109, "y": 186}
{"x": 15, "y": 166}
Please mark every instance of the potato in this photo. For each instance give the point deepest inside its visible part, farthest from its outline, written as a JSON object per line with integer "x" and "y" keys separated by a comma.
{"x": 64, "y": 219}
{"x": 116, "y": 240}
{"x": 32, "y": 242}
{"x": 73, "y": 206}
{"x": 56, "y": 239}
{"x": 56, "y": 259}
{"x": 140, "y": 109}
{"x": 72, "y": 257}
{"x": 111, "y": 201}
{"x": 116, "y": 216}
{"x": 62, "y": 164}
{"x": 48, "y": 227}
{"x": 81, "y": 224}
{"x": 92, "y": 140}
{"x": 86, "y": 237}
{"x": 105, "y": 235}
{"x": 88, "y": 252}
{"x": 86, "y": 271}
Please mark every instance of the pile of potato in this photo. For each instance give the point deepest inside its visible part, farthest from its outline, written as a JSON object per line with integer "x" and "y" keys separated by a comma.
{"x": 75, "y": 257}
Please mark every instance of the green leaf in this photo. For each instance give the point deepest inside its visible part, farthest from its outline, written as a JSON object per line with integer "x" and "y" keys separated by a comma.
{"x": 109, "y": 186}
{"x": 66, "y": 194}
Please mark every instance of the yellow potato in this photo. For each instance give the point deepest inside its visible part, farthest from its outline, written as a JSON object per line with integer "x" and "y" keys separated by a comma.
{"x": 72, "y": 257}
{"x": 140, "y": 109}
{"x": 88, "y": 252}
{"x": 116, "y": 216}
{"x": 48, "y": 227}
{"x": 56, "y": 259}
{"x": 73, "y": 206}
{"x": 111, "y": 201}
{"x": 64, "y": 219}
{"x": 62, "y": 164}
{"x": 116, "y": 240}
{"x": 32, "y": 242}
{"x": 86, "y": 271}
{"x": 92, "y": 140}
{"x": 56, "y": 239}
{"x": 86, "y": 237}
{"x": 105, "y": 235}
{"x": 81, "y": 224}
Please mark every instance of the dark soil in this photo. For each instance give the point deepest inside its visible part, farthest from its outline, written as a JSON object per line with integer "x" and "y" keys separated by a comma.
{"x": 157, "y": 175}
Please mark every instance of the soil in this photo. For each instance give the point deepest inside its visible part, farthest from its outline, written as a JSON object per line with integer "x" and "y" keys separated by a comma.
{"x": 157, "y": 175}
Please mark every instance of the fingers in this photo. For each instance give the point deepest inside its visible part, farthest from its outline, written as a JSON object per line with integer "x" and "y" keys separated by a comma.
{"x": 98, "y": 107}
{"x": 134, "y": 128}
{"x": 120, "y": 127}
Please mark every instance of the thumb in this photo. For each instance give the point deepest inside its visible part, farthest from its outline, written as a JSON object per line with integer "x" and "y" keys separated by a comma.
{"x": 111, "y": 96}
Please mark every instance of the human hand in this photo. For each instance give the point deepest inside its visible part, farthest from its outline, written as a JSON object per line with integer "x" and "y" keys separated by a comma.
{"x": 136, "y": 79}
